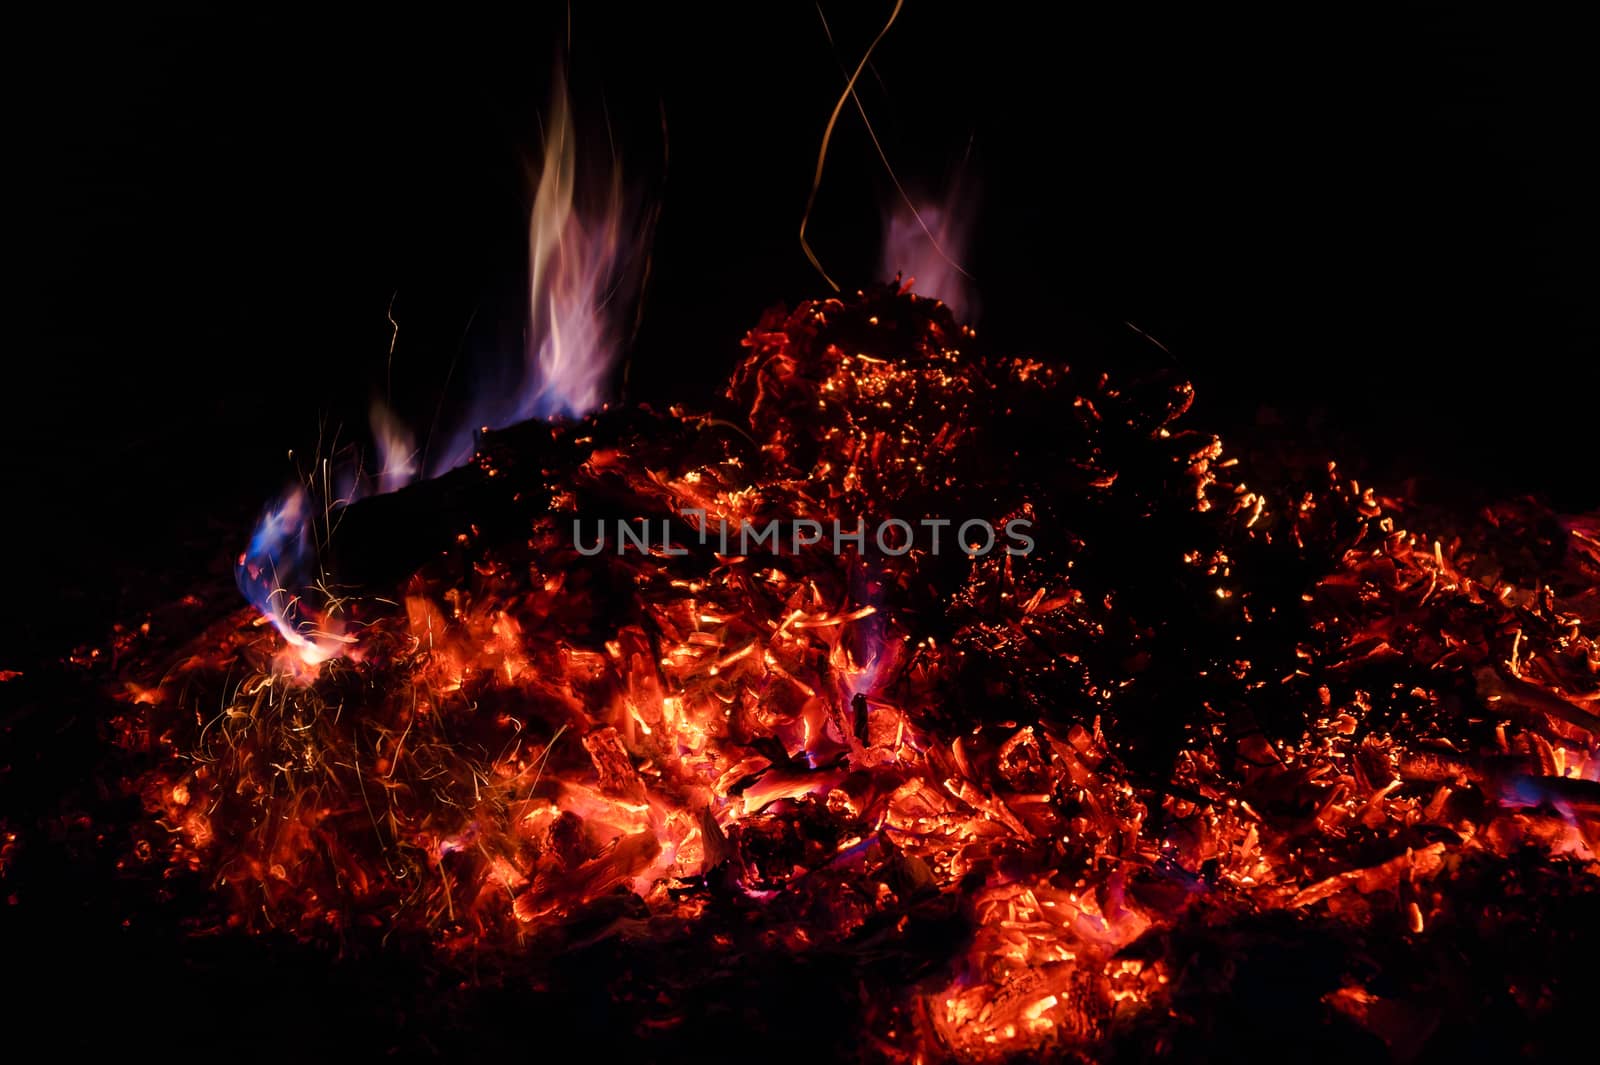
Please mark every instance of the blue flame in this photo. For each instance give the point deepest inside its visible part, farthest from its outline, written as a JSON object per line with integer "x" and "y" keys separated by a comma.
{"x": 281, "y": 551}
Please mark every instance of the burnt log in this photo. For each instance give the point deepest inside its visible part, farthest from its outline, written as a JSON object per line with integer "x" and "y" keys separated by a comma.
{"x": 381, "y": 540}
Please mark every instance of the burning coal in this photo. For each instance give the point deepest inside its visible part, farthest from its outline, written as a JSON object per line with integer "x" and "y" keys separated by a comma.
{"x": 1198, "y": 713}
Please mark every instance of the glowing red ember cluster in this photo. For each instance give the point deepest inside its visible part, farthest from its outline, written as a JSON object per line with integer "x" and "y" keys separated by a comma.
{"x": 1194, "y": 710}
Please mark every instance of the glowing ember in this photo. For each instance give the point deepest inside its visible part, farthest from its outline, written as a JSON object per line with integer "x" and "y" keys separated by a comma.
{"x": 1198, "y": 709}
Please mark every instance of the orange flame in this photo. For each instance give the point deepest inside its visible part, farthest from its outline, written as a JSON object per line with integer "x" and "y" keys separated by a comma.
{"x": 576, "y": 263}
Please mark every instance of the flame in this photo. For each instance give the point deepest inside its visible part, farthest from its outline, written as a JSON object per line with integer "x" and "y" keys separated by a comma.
{"x": 397, "y": 450}
{"x": 925, "y": 242}
{"x": 575, "y": 265}
{"x": 281, "y": 553}
{"x": 579, "y": 269}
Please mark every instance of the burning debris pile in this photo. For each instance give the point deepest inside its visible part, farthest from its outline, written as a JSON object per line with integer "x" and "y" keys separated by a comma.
{"x": 1050, "y": 793}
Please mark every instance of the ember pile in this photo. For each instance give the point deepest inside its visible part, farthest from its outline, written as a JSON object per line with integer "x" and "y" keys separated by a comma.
{"x": 1202, "y": 738}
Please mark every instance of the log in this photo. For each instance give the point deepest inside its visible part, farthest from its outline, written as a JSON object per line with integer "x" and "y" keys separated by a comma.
{"x": 381, "y": 540}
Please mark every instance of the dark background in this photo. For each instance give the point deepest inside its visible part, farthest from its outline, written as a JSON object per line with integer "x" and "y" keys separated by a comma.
{"x": 1368, "y": 232}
